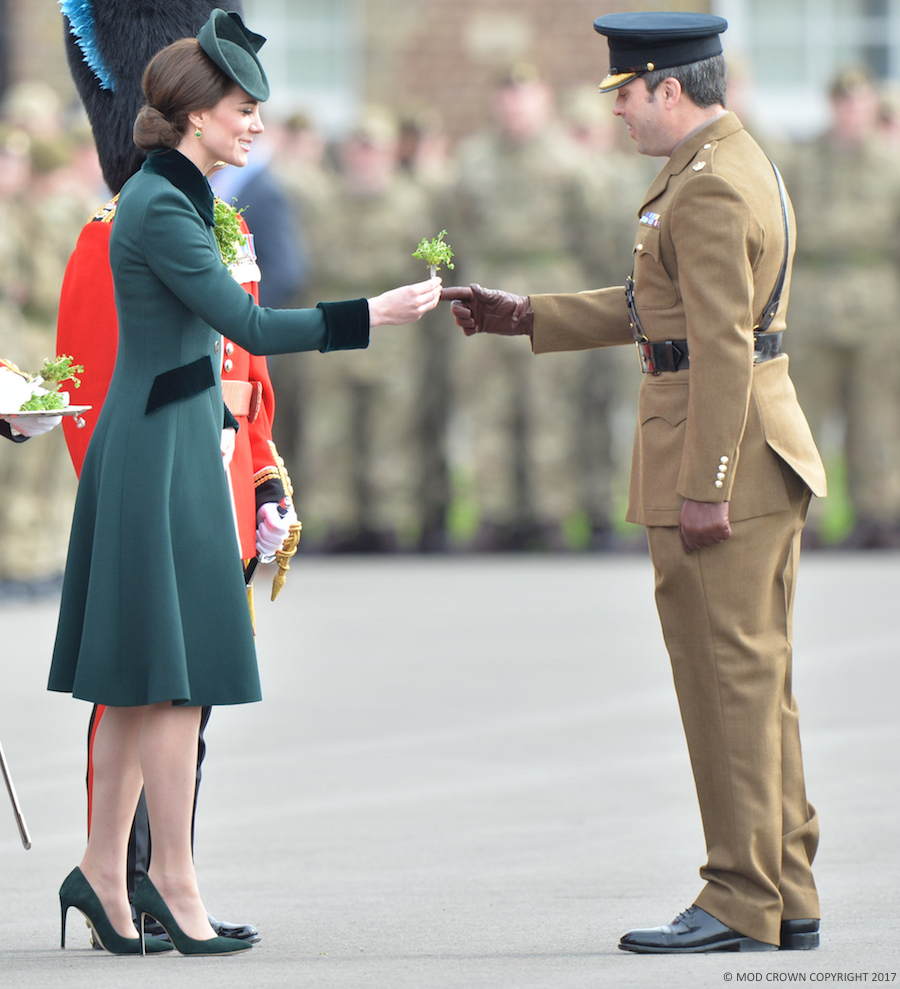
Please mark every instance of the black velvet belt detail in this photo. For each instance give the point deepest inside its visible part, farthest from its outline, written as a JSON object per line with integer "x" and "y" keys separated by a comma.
{"x": 181, "y": 382}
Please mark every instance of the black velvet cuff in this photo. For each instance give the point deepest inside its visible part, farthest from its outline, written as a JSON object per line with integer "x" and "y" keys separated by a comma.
{"x": 229, "y": 421}
{"x": 6, "y": 431}
{"x": 346, "y": 325}
{"x": 271, "y": 490}
{"x": 180, "y": 382}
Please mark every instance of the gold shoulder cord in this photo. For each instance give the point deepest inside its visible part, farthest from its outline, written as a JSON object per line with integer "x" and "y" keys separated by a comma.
{"x": 289, "y": 546}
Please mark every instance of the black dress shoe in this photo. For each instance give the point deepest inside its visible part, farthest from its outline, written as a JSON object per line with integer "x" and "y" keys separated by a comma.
{"x": 799, "y": 935}
{"x": 690, "y": 932}
{"x": 243, "y": 932}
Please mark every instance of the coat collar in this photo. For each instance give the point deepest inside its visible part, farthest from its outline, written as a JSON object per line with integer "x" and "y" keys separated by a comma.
{"x": 684, "y": 154}
{"x": 186, "y": 177}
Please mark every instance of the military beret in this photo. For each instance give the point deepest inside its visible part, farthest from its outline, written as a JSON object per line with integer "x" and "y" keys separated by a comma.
{"x": 644, "y": 42}
{"x": 233, "y": 48}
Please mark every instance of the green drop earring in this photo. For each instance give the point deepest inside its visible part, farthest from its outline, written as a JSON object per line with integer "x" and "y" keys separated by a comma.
{"x": 197, "y": 133}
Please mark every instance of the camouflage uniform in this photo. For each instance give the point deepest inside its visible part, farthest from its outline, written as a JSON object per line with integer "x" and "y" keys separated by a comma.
{"x": 516, "y": 205}
{"x": 358, "y": 473}
{"x": 611, "y": 179}
{"x": 845, "y": 297}
{"x": 40, "y": 226}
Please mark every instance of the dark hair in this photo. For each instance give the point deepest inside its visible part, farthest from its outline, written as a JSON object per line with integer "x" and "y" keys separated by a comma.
{"x": 703, "y": 81}
{"x": 179, "y": 80}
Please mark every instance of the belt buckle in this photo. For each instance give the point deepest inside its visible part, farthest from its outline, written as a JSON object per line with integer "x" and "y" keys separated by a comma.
{"x": 642, "y": 357}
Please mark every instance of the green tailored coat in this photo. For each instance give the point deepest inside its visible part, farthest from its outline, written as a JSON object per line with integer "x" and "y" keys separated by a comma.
{"x": 153, "y": 605}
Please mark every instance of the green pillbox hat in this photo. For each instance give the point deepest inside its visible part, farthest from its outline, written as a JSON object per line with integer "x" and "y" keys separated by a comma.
{"x": 233, "y": 48}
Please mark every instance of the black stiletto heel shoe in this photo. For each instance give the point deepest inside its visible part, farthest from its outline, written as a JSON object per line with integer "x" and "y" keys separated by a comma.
{"x": 76, "y": 892}
{"x": 148, "y": 903}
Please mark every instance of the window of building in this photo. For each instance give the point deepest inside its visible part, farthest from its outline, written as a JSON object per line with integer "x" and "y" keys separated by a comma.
{"x": 792, "y": 49}
{"x": 313, "y": 56}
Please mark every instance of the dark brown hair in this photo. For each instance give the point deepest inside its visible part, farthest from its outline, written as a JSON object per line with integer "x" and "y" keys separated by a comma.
{"x": 179, "y": 80}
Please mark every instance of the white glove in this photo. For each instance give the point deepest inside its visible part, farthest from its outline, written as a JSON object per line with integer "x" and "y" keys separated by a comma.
{"x": 272, "y": 529}
{"x": 33, "y": 425}
{"x": 227, "y": 445}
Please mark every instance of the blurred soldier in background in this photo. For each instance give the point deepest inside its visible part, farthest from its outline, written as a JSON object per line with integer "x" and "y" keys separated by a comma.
{"x": 358, "y": 470}
{"x": 278, "y": 240}
{"x": 517, "y": 200}
{"x": 611, "y": 180}
{"x": 301, "y": 166}
{"x": 42, "y": 216}
{"x": 845, "y": 297}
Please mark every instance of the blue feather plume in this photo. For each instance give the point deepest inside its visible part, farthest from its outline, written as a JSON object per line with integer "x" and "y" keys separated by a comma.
{"x": 81, "y": 20}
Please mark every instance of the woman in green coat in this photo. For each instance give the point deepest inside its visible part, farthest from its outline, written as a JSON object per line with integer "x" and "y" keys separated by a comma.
{"x": 153, "y": 620}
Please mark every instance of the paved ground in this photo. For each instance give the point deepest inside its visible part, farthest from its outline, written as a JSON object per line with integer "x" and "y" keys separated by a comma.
{"x": 469, "y": 773}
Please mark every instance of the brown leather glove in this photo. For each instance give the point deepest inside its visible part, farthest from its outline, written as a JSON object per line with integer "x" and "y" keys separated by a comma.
{"x": 703, "y": 523}
{"x": 489, "y": 310}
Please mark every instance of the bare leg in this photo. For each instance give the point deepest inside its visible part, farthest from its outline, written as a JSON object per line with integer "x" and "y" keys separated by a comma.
{"x": 116, "y": 788}
{"x": 168, "y": 748}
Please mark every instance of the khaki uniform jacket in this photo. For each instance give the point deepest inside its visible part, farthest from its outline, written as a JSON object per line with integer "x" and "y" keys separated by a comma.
{"x": 709, "y": 247}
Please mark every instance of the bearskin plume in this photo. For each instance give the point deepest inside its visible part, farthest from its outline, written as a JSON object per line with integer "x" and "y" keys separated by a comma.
{"x": 108, "y": 45}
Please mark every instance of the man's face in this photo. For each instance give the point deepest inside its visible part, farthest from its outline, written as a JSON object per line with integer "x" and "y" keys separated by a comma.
{"x": 645, "y": 118}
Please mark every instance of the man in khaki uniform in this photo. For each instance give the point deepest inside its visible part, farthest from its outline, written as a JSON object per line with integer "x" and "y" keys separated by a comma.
{"x": 724, "y": 463}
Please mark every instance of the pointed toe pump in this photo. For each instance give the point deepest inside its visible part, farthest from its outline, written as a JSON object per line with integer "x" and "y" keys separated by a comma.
{"x": 148, "y": 903}
{"x": 76, "y": 892}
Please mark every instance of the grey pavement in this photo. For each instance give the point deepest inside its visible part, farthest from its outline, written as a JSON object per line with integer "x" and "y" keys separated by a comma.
{"x": 469, "y": 772}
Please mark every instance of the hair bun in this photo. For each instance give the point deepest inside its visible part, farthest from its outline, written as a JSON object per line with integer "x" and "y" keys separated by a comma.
{"x": 152, "y": 129}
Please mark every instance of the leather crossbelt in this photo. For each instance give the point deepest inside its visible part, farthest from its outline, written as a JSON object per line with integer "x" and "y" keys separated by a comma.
{"x": 673, "y": 355}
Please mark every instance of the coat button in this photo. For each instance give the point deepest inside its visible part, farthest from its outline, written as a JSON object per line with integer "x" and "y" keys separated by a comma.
{"x": 229, "y": 365}
{"x": 216, "y": 346}
{"x": 719, "y": 484}
{"x": 229, "y": 348}
{"x": 723, "y": 460}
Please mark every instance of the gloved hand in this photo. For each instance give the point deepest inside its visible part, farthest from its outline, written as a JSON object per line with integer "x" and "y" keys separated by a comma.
{"x": 272, "y": 529}
{"x": 226, "y": 445}
{"x": 489, "y": 310}
{"x": 33, "y": 425}
{"x": 703, "y": 523}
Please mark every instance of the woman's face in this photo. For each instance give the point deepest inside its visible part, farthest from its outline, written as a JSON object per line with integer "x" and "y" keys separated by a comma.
{"x": 227, "y": 130}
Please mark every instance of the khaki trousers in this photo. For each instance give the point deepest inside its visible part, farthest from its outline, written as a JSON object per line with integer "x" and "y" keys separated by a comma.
{"x": 726, "y": 615}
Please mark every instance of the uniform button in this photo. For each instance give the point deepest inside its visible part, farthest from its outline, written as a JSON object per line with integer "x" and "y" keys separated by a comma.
{"x": 699, "y": 165}
{"x": 723, "y": 466}
{"x": 229, "y": 348}
{"x": 720, "y": 476}
{"x": 723, "y": 460}
{"x": 719, "y": 484}
{"x": 229, "y": 365}
{"x": 706, "y": 147}
{"x": 640, "y": 247}
{"x": 216, "y": 346}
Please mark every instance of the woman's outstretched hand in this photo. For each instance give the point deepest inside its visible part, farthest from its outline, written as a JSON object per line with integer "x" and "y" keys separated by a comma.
{"x": 405, "y": 304}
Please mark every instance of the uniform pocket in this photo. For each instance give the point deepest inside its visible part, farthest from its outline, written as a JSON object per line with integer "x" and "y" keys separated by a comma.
{"x": 662, "y": 422}
{"x": 653, "y": 289}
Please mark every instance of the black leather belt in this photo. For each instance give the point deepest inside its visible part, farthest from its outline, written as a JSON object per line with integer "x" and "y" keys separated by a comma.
{"x": 673, "y": 355}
